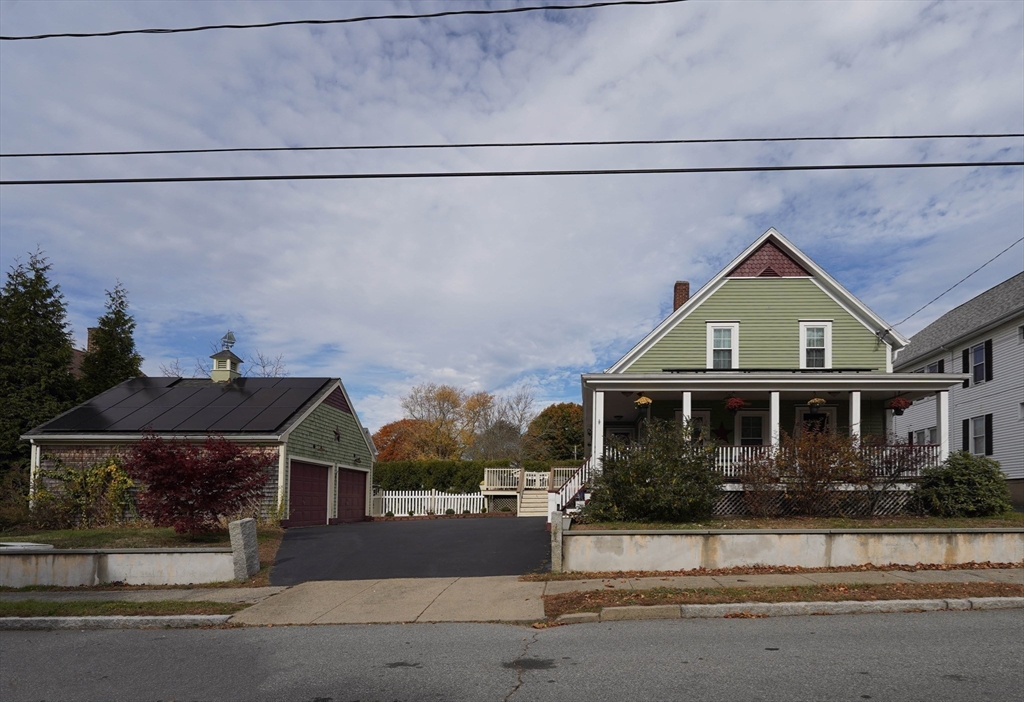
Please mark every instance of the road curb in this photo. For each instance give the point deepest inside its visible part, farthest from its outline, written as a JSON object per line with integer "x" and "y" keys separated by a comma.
{"x": 787, "y": 609}
{"x": 181, "y": 621}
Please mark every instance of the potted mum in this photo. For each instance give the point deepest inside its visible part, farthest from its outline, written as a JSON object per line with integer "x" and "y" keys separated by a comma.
{"x": 815, "y": 404}
{"x": 898, "y": 405}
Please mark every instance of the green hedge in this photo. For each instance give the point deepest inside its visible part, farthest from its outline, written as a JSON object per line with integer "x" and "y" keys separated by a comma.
{"x": 447, "y": 476}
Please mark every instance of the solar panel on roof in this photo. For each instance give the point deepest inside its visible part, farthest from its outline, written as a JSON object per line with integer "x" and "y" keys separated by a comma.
{"x": 264, "y": 398}
{"x": 142, "y": 397}
{"x": 254, "y": 384}
{"x": 236, "y": 419}
{"x": 174, "y": 416}
{"x": 310, "y": 383}
{"x": 294, "y": 398}
{"x": 174, "y": 396}
{"x": 201, "y": 420}
{"x": 138, "y": 420}
{"x": 270, "y": 419}
{"x": 100, "y": 421}
{"x": 112, "y": 396}
{"x": 72, "y": 419}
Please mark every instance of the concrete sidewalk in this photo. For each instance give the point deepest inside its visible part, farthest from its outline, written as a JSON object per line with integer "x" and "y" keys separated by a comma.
{"x": 487, "y": 599}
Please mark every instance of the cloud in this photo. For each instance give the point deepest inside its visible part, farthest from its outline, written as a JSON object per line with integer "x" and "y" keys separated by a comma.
{"x": 489, "y": 282}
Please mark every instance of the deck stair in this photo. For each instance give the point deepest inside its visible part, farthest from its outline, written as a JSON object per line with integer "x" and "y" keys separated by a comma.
{"x": 534, "y": 503}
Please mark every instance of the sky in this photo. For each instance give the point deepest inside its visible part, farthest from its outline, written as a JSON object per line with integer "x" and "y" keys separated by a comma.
{"x": 489, "y": 283}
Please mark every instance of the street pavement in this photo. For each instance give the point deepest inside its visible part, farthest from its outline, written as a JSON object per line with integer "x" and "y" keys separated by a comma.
{"x": 933, "y": 656}
{"x": 478, "y": 599}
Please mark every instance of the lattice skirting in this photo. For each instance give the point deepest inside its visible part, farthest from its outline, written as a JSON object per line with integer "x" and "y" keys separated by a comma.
{"x": 501, "y": 503}
{"x": 837, "y": 503}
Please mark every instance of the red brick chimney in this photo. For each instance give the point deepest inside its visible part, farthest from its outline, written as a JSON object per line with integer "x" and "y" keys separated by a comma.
{"x": 90, "y": 341}
{"x": 681, "y": 294}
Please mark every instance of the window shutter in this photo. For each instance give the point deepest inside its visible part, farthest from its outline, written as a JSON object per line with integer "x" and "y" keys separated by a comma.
{"x": 988, "y": 359}
{"x": 910, "y": 438}
{"x": 942, "y": 365}
{"x": 967, "y": 368}
{"x": 967, "y": 435}
{"x": 988, "y": 434}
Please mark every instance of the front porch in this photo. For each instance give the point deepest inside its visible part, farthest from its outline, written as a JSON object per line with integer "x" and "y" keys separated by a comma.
{"x": 522, "y": 491}
{"x": 744, "y": 411}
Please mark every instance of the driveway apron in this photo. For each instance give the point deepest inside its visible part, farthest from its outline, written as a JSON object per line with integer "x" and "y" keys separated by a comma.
{"x": 441, "y": 548}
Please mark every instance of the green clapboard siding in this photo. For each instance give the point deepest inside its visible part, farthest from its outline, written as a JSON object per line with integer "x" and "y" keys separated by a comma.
{"x": 769, "y": 311}
{"x": 314, "y": 438}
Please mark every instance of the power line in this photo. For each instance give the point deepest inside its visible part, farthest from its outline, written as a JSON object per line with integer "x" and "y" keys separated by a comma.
{"x": 511, "y": 174}
{"x": 346, "y": 20}
{"x": 508, "y": 144}
{"x": 962, "y": 279}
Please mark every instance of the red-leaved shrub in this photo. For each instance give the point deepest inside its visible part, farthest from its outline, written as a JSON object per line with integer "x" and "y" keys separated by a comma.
{"x": 189, "y": 486}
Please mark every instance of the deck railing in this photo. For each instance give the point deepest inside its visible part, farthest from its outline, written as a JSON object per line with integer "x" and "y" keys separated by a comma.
{"x": 501, "y": 478}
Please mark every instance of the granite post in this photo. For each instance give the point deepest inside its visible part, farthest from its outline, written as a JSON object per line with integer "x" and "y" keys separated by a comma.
{"x": 244, "y": 548}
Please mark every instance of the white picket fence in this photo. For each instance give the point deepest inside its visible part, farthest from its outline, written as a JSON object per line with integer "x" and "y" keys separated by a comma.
{"x": 423, "y": 502}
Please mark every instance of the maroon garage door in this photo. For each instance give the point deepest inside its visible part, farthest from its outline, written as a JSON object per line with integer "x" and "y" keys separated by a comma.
{"x": 308, "y": 494}
{"x": 351, "y": 495}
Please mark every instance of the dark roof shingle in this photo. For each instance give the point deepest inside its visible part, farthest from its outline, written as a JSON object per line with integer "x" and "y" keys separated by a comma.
{"x": 977, "y": 313}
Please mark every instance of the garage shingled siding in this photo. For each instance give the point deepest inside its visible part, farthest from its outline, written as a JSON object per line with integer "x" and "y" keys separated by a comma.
{"x": 769, "y": 311}
{"x": 314, "y": 439}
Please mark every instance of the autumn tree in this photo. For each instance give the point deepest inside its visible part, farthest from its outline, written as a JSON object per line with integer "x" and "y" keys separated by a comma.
{"x": 456, "y": 424}
{"x": 399, "y": 441}
{"x": 111, "y": 357}
{"x": 35, "y": 357}
{"x": 557, "y": 432}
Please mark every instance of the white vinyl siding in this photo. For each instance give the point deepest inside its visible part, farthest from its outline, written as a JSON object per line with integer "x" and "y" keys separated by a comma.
{"x": 1001, "y": 397}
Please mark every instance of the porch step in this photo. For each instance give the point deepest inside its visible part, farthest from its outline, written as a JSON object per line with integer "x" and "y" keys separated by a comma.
{"x": 534, "y": 503}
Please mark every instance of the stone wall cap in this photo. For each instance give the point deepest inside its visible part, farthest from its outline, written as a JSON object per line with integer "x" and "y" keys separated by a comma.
{"x": 94, "y": 551}
{"x": 744, "y": 532}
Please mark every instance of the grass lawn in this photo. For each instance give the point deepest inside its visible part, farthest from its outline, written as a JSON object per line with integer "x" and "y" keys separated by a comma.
{"x": 269, "y": 539}
{"x": 1008, "y": 520}
{"x": 594, "y": 601}
{"x": 35, "y": 608}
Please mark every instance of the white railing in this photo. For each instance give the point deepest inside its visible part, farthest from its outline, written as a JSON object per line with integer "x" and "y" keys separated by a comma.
{"x": 576, "y": 482}
{"x": 501, "y": 478}
{"x": 729, "y": 459}
{"x": 908, "y": 461}
{"x": 422, "y": 502}
{"x": 560, "y": 474}
{"x": 536, "y": 481}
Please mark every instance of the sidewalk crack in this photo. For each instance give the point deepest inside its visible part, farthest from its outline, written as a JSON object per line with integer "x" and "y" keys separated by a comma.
{"x": 435, "y": 599}
{"x": 320, "y": 616}
{"x": 519, "y": 667}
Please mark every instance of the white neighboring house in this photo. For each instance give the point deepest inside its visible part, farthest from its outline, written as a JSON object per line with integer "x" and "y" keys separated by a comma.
{"x": 985, "y": 338}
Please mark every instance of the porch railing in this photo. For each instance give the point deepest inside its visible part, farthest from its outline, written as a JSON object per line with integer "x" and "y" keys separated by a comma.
{"x": 907, "y": 461}
{"x": 729, "y": 460}
{"x": 533, "y": 480}
{"x": 508, "y": 478}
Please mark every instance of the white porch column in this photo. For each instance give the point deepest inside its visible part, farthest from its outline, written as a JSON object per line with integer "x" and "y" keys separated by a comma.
{"x": 687, "y": 405}
{"x": 773, "y": 418}
{"x": 855, "y": 413}
{"x": 34, "y": 464}
{"x": 942, "y": 422}
{"x": 597, "y": 429}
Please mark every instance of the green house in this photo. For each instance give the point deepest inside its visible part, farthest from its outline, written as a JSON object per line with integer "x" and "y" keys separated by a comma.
{"x": 746, "y": 354}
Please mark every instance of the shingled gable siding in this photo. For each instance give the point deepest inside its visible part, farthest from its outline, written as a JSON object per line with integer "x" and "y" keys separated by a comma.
{"x": 769, "y": 311}
{"x": 314, "y": 439}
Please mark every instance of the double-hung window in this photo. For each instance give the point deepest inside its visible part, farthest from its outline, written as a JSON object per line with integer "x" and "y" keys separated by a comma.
{"x": 977, "y": 435}
{"x": 723, "y": 345}
{"x": 977, "y": 362}
{"x": 815, "y": 345}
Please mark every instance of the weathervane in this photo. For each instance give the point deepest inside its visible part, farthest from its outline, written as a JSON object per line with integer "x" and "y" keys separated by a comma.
{"x": 227, "y": 341}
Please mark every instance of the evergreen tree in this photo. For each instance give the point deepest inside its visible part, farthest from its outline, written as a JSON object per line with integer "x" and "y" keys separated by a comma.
{"x": 557, "y": 433}
{"x": 35, "y": 357}
{"x": 112, "y": 357}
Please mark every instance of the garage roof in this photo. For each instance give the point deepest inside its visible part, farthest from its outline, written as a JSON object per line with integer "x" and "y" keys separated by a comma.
{"x": 191, "y": 406}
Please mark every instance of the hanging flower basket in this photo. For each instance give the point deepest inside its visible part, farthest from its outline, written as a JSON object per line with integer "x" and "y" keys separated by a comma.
{"x": 735, "y": 404}
{"x": 815, "y": 404}
{"x": 642, "y": 402}
{"x": 898, "y": 405}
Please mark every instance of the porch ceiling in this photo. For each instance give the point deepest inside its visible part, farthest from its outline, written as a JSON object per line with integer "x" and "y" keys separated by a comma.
{"x": 883, "y": 384}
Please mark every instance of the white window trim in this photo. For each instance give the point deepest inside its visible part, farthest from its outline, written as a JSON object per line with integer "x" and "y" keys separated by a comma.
{"x": 804, "y": 326}
{"x": 737, "y": 428}
{"x": 734, "y": 337}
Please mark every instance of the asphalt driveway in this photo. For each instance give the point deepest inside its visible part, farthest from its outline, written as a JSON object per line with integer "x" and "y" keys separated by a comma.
{"x": 439, "y": 548}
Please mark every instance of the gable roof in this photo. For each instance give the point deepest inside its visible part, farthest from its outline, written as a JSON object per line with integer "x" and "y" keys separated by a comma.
{"x": 190, "y": 406}
{"x": 770, "y": 250}
{"x": 988, "y": 308}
